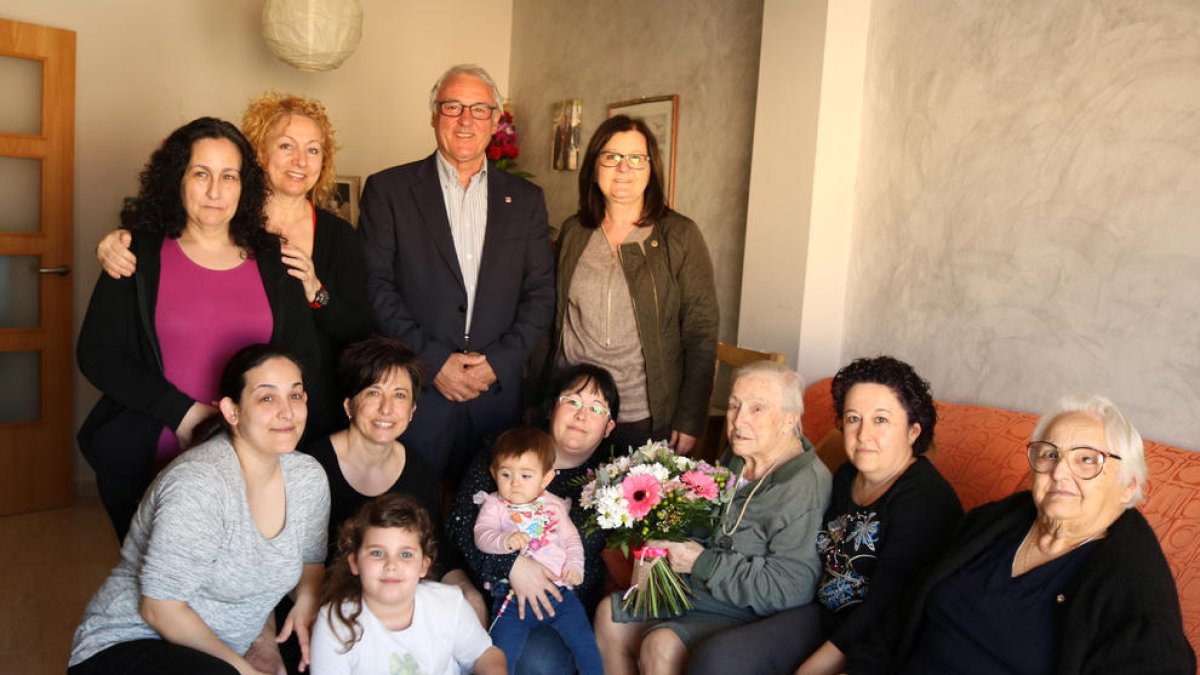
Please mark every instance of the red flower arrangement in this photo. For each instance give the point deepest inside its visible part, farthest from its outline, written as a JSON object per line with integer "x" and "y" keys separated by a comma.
{"x": 503, "y": 149}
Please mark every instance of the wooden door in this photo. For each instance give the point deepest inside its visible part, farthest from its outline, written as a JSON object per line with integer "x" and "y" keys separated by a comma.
{"x": 37, "y": 146}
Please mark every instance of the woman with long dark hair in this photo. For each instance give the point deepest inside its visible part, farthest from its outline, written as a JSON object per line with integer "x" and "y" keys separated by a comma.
{"x": 635, "y": 290}
{"x": 210, "y": 280}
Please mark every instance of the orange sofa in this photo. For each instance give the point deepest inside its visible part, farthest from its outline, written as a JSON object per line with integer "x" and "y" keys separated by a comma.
{"x": 981, "y": 452}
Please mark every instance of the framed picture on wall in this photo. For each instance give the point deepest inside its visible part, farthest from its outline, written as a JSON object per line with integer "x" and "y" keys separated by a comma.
{"x": 344, "y": 200}
{"x": 564, "y": 151}
{"x": 661, "y": 114}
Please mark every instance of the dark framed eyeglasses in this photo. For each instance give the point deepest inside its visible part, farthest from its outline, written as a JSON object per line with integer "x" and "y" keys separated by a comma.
{"x": 479, "y": 111}
{"x": 612, "y": 159}
{"x": 1085, "y": 462}
{"x": 578, "y": 404}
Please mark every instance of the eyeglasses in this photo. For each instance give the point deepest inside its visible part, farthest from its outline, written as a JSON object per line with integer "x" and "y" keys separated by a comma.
{"x": 1085, "y": 462}
{"x": 480, "y": 111}
{"x": 594, "y": 408}
{"x": 635, "y": 162}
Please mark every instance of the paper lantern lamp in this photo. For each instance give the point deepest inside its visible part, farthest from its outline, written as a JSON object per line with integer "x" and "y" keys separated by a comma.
{"x": 312, "y": 35}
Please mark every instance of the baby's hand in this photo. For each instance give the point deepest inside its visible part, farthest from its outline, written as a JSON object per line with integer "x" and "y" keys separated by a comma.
{"x": 572, "y": 577}
{"x": 517, "y": 541}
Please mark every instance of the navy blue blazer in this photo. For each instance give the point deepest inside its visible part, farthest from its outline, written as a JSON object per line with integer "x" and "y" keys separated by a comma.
{"x": 416, "y": 286}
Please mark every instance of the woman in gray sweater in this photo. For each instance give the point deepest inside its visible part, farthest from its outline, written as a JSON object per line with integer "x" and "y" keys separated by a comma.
{"x": 220, "y": 536}
{"x": 761, "y": 558}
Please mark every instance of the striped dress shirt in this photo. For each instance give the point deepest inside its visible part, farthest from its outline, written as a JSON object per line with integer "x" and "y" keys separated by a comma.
{"x": 466, "y": 209}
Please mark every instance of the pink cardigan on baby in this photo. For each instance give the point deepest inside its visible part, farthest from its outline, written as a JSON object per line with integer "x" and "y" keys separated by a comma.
{"x": 553, "y": 540}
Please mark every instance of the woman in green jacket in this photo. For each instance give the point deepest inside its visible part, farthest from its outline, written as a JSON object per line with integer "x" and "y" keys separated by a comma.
{"x": 635, "y": 290}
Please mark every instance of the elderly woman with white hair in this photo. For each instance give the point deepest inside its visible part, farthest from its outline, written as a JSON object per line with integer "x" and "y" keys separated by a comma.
{"x": 762, "y": 557}
{"x": 1066, "y": 578}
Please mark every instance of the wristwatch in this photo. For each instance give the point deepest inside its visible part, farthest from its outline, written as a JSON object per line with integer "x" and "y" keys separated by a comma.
{"x": 320, "y": 299}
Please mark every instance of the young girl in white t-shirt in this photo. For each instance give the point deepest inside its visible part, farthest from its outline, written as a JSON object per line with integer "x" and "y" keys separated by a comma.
{"x": 379, "y": 616}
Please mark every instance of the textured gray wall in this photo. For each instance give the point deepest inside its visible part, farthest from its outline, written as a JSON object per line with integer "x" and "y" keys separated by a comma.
{"x": 706, "y": 51}
{"x": 1028, "y": 202}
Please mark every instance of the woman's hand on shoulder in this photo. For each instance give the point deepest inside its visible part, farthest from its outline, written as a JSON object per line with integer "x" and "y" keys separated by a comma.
{"x": 533, "y": 584}
{"x": 195, "y": 415}
{"x": 114, "y": 254}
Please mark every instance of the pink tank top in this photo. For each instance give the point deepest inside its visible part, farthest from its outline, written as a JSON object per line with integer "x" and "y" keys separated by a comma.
{"x": 202, "y": 317}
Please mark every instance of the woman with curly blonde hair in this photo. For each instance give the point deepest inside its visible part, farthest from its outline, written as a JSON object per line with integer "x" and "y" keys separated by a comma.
{"x": 294, "y": 142}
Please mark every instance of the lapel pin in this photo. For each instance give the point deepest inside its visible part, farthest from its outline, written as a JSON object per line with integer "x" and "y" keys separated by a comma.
{"x": 507, "y": 199}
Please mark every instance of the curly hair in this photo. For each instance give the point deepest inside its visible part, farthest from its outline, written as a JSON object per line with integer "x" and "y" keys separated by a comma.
{"x": 159, "y": 205}
{"x": 591, "y": 199}
{"x": 272, "y": 108}
{"x": 342, "y": 585}
{"x": 908, "y": 387}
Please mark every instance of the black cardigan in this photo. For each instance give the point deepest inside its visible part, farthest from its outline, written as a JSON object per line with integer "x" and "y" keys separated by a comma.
{"x": 118, "y": 352}
{"x": 1120, "y": 614}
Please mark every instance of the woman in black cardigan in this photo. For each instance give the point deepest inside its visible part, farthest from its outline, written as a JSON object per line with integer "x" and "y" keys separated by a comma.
{"x": 1068, "y": 578}
{"x": 211, "y": 277}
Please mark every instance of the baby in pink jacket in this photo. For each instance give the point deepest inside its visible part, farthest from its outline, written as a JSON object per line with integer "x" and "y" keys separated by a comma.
{"x": 522, "y": 517}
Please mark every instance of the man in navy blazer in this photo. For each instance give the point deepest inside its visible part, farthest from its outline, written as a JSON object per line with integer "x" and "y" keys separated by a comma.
{"x": 459, "y": 266}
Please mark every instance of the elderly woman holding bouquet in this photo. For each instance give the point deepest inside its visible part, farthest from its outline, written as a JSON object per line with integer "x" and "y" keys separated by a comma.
{"x": 760, "y": 558}
{"x": 890, "y": 516}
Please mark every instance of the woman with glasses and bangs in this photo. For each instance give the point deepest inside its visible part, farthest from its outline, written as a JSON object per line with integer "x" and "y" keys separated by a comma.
{"x": 1065, "y": 578}
{"x": 580, "y": 411}
{"x": 635, "y": 291}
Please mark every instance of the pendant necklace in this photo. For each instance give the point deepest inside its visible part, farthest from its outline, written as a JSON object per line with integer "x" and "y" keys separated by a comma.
{"x": 726, "y": 540}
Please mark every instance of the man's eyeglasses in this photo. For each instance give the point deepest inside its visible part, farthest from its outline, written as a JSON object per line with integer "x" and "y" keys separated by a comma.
{"x": 1083, "y": 461}
{"x": 635, "y": 162}
{"x": 480, "y": 111}
{"x": 594, "y": 408}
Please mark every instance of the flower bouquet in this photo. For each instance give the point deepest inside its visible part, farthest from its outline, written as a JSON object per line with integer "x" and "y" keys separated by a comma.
{"x": 503, "y": 148}
{"x": 652, "y": 493}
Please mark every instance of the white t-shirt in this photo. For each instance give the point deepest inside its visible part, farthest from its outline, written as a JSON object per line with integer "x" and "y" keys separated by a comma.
{"x": 445, "y": 638}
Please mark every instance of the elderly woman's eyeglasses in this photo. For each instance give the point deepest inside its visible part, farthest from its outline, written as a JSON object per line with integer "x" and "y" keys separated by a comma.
{"x": 1085, "y": 462}
{"x": 635, "y": 162}
{"x": 594, "y": 408}
{"x": 480, "y": 111}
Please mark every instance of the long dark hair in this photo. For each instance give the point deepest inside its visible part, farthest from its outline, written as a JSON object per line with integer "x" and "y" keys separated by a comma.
{"x": 233, "y": 383}
{"x": 342, "y": 586}
{"x": 159, "y": 204}
{"x": 591, "y": 200}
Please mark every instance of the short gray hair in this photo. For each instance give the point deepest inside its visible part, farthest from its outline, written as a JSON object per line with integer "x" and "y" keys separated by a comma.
{"x": 463, "y": 69}
{"x": 1123, "y": 439}
{"x": 790, "y": 383}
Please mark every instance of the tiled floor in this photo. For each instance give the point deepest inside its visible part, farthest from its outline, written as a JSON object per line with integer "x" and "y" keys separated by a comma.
{"x": 50, "y": 564}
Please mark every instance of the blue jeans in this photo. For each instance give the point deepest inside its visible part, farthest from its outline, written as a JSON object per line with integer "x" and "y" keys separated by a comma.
{"x": 569, "y": 621}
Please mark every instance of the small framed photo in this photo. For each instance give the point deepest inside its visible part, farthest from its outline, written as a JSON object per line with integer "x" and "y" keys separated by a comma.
{"x": 661, "y": 114}
{"x": 568, "y": 118}
{"x": 344, "y": 200}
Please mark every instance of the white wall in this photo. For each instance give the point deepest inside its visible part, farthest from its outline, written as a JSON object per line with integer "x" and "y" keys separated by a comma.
{"x": 802, "y": 198}
{"x": 1027, "y": 212}
{"x": 146, "y": 66}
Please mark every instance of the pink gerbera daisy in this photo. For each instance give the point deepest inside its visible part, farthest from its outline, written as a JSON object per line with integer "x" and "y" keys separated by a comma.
{"x": 701, "y": 484}
{"x": 642, "y": 491}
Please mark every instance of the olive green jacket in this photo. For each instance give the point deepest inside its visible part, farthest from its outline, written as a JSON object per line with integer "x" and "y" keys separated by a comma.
{"x": 675, "y": 303}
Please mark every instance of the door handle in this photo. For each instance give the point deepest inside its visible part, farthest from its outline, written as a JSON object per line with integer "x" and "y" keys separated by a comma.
{"x": 61, "y": 270}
